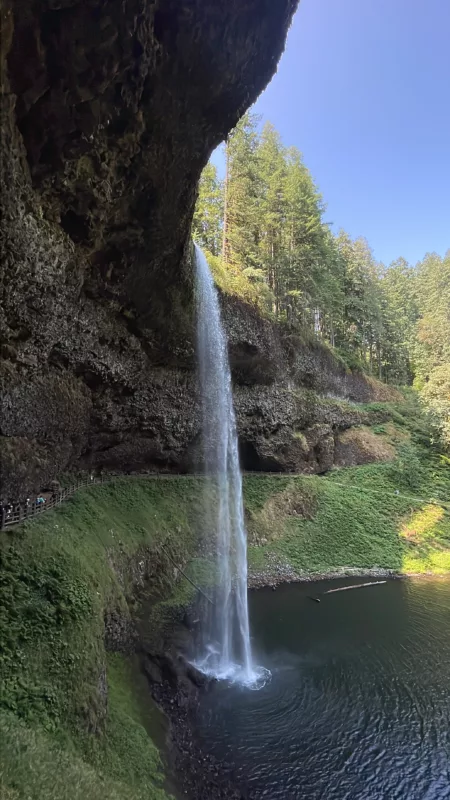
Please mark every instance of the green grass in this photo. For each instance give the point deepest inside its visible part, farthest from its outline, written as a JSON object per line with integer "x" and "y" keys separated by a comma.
{"x": 345, "y": 531}
{"x": 354, "y": 517}
{"x": 36, "y": 767}
{"x": 358, "y": 523}
{"x": 126, "y": 733}
{"x": 122, "y": 764}
{"x": 259, "y": 489}
{"x": 59, "y": 575}
{"x": 406, "y": 414}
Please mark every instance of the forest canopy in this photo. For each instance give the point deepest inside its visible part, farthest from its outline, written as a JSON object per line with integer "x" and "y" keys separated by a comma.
{"x": 265, "y": 235}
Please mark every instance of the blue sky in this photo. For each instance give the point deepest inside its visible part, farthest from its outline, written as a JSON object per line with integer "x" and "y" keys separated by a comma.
{"x": 363, "y": 90}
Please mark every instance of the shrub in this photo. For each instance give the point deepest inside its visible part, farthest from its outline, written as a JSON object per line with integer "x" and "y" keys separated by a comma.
{"x": 435, "y": 396}
{"x": 406, "y": 469}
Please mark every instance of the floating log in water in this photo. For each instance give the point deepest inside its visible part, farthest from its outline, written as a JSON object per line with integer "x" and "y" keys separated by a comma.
{"x": 354, "y": 586}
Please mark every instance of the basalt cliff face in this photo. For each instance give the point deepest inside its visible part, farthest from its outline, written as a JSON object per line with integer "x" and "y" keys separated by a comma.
{"x": 109, "y": 111}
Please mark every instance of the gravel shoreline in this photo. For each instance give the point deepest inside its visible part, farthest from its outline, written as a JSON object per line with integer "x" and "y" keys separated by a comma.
{"x": 280, "y": 574}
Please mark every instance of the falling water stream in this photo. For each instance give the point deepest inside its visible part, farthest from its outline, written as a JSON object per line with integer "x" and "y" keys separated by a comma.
{"x": 225, "y": 650}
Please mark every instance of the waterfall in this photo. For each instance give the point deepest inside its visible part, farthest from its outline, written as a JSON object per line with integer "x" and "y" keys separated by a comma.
{"x": 226, "y": 650}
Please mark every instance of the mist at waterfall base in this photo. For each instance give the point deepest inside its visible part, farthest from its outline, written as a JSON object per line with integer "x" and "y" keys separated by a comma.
{"x": 224, "y": 648}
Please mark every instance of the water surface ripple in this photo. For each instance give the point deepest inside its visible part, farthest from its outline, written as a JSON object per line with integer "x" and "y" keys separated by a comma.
{"x": 359, "y": 701}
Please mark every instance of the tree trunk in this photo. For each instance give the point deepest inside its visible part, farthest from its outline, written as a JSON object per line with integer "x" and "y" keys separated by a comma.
{"x": 225, "y": 242}
{"x": 379, "y": 360}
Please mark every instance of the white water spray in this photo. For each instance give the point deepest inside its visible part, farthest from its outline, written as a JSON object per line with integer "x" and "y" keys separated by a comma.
{"x": 226, "y": 650}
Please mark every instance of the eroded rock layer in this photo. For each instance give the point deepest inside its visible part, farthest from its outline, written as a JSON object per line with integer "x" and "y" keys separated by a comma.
{"x": 109, "y": 110}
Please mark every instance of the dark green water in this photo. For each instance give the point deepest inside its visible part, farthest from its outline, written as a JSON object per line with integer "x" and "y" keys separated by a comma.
{"x": 359, "y": 701}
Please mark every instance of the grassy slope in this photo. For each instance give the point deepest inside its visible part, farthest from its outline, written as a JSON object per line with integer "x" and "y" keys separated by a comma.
{"x": 352, "y": 517}
{"x": 56, "y": 583}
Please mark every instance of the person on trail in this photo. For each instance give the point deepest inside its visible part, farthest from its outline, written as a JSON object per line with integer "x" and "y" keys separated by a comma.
{"x": 55, "y": 488}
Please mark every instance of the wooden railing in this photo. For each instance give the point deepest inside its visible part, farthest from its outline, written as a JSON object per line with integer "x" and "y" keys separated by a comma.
{"x": 23, "y": 511}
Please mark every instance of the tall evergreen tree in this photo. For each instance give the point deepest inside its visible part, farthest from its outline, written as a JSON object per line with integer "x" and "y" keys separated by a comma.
{"x": 240, "y": 240}
{"x": 271, "y": 180}
{"x": 306, "y": 237}
{"x": 432, "y": 350}
{"x": 433, "y": 298}
{"x": 400, "y": 313}
{"x": 208, "y": 216}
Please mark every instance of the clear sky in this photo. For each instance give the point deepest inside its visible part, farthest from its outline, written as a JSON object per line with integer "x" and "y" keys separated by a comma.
{"x": 363, "y": 90}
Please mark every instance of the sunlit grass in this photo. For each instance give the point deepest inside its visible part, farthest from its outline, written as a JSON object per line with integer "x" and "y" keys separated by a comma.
{"x": 434, "y": 563}
{"x": 426, "y": 535}
{"x": 422, "y": 524}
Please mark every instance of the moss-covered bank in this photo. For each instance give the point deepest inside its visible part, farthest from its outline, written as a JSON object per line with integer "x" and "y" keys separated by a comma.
{"x": 71, "y": 725}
